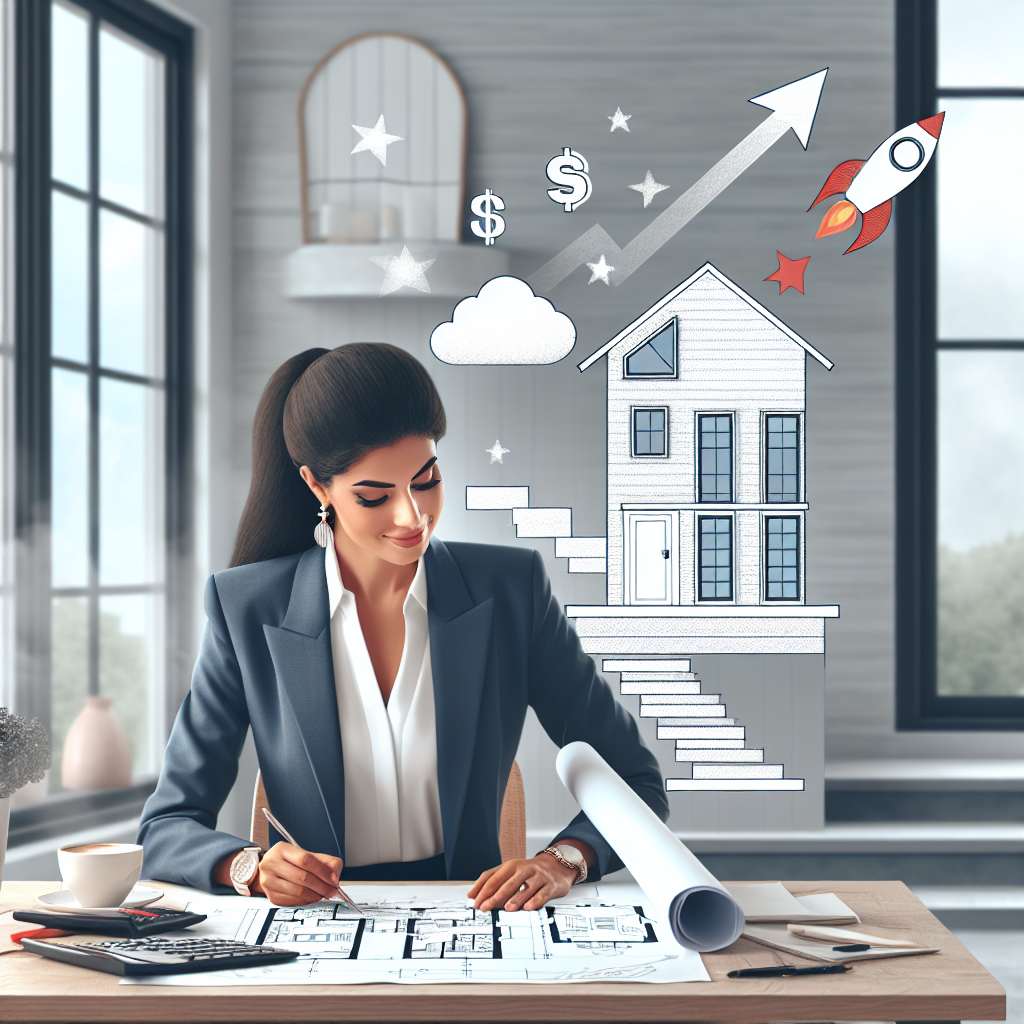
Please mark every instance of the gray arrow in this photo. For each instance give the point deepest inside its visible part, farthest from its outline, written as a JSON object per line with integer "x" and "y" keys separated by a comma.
{"x": 794, "y": 106}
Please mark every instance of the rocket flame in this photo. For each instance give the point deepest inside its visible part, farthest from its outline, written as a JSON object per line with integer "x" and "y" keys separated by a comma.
{"x": 839, "y": 218}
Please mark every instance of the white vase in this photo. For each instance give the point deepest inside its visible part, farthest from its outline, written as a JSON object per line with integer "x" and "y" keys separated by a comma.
{"x": 5, "y": 817}
{"x": 97, "y": 754}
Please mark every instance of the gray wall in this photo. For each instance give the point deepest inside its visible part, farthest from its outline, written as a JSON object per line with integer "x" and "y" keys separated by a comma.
{"x": 539, "y": 76}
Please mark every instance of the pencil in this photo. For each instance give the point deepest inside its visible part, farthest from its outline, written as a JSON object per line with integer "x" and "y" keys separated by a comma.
{"x": 280, "y": 828}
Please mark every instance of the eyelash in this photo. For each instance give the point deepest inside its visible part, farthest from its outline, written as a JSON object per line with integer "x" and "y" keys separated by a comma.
{"x": 375, "y": 502}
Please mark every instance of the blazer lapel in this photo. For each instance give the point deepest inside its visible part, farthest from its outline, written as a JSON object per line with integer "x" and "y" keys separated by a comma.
{"x": 301, "y": 651}
{"x": 460, "y": 635}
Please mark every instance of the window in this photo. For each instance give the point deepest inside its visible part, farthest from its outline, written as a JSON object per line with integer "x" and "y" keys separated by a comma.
{"x": 650, "y": 433}
{"x": 960, "y": 372}
{"x": 782, "y": 458}
{"x": 655, "y": 357}
{"x": 715, "y": 558}
{"x": 782, "y": 558}
{"x": 103, "y": 357}
{"x": 715, "y": 458}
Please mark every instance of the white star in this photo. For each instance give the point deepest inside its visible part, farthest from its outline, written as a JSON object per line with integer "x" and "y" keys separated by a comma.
{"x": 619, "y": 119}
{"x": 376, "y": 140}
{"x": 401, "y": 271}
{"x": 649, "y": 187}
{"x": 496, "y": 452}
{"x": 600, "y": 271}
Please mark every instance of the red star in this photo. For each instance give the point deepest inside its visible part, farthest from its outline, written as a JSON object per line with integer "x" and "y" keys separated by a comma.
{"x": 790, "y": 273}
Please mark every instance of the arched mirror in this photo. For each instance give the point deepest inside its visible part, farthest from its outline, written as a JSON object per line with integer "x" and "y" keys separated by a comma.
{"x": 406, "y": 183}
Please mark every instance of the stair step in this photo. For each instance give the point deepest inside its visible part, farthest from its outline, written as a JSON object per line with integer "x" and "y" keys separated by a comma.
{"x": 660, "y": 677}
{"x": 703, "y": 754}
{"x": 599, "y": 565}
{"x": 701, "y": 732}
{"x": 706, "y": 723}
{"x": 733, "y": 785}
{"x": 496, "y": 498}
{"x": 542, "y": 522}
{"x": 646, "y": 697}
{"x": 738, "y": 771}
{"x": 658, "y": 665}
{"x": 709, "y": 744}
{"x": 683, "y": 710}
{"x": 581, "y": 547}
{"x": 642, "y": 687}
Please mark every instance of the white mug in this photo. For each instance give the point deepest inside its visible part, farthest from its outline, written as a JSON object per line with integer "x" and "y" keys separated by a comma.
{"x": 100, "y": 874}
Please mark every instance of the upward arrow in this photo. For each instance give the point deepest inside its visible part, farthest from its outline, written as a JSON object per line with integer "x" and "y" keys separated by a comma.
{"x": 793, "y": 107}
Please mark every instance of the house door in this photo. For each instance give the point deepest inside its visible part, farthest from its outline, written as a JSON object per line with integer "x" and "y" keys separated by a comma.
{"x": 652, "y": 571}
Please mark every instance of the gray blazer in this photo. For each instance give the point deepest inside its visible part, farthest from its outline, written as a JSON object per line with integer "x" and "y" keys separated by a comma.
{"x": 498, "y": 643}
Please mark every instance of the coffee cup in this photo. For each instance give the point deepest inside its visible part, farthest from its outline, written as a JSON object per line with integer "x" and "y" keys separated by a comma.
{"x": 100, "y": 874}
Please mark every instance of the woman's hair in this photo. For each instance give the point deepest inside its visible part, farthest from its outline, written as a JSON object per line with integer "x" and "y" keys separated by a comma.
{"x": 326, "y": 409}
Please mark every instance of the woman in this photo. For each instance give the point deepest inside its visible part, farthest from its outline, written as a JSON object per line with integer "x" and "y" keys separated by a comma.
{"x": 385, "y": 678}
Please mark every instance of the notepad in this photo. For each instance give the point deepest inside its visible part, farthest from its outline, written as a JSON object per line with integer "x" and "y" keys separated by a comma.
{"x": 778, "y": 936}
{"x": 772, "y": 902}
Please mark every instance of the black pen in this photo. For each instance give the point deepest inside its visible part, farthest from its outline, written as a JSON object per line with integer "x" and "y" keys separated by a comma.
{"x": 784, "y": 970}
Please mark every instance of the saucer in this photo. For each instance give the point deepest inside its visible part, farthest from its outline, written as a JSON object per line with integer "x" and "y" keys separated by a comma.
{"x": 140, "y": 896}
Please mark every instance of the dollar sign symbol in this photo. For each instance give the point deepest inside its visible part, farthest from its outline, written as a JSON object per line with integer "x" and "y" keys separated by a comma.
{"x": 569, "y": 171}
{"x": 484, "y": 206}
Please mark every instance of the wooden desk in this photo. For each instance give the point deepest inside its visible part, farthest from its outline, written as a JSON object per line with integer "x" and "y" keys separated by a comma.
{"x": 945, "y": 986}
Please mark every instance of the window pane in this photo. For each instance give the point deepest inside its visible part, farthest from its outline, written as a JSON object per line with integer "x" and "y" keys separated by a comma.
{"x": 69, "y": 537}
{"x": 129, "y": 307}
{"x": 782, "y": 462}
{"x": 130, "y": 492}
{"x": 715, "y": 458}
{"x": 981, "y": 523}
{"x": 980, "y": 220}
{"x": 69, "y": 667}
{"x": 69, "y": 289}
{"x": 782, "y": 569}
{"x": 980, "y": 43}
{"x": 715, "y": 559}
{"x": 131, "y": 123}
{"x": 70, "y": 77}
{"x": 128, "y": 648}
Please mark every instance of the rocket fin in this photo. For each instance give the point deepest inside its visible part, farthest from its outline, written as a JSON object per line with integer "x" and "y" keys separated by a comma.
{"x": 839, "y": 180}
{"x": 872, "y": 224}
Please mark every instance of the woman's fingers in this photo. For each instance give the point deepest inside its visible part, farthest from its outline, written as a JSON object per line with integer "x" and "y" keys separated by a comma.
{"x": 497, "y": 877}
{"x": 479, "y": 882}
{"x": 529, "y": 888}
{"x": 298, "y": 874}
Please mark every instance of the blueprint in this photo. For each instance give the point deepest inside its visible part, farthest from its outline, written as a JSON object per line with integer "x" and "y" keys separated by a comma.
{"x": 415, "y": 934}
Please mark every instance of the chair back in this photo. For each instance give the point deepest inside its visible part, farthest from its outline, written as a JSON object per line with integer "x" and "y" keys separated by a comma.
{"x": 511, "y": 830}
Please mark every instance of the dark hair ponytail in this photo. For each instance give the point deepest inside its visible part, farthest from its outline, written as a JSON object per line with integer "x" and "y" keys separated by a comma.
{"x": 326, "y": 409}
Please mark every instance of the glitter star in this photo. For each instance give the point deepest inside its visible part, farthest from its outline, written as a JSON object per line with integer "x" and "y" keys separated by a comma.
{"x": 401, "y": 271}
{"x": 496, "y": 452}
{"x": 599, "y": 271}
{"x": 619, "y": 119}
{"x": 376, "y": 140}
{"x": 649, "y": 188}
{"x": 790, "y": 273}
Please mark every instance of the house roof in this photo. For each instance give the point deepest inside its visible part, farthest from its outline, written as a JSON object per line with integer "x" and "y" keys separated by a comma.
{"x": 732, "y": 286}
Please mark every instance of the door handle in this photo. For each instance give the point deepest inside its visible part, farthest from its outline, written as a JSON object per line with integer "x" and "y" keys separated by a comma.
{"x": 665, "y": 552}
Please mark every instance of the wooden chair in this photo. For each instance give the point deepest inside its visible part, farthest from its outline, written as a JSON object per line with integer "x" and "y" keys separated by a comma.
{"x": 511, "y": 831}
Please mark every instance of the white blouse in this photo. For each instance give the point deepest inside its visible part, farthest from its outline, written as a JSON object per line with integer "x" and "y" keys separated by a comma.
{"x": 392, "y": 805}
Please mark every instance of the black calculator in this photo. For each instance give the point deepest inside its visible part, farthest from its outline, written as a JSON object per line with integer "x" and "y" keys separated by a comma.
{"x": 158, "y": 955}
{"x": 127, "y": 923}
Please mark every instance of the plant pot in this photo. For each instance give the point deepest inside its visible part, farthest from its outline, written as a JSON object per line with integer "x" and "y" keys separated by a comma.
{"x": 5, "y": 817}
{"x": 97, "y": 754}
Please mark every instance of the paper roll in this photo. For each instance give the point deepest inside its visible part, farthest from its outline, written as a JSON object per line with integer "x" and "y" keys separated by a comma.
{"x": 698, "y": 909}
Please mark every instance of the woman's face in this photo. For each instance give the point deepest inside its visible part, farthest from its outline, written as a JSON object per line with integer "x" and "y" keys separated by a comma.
{"x": 389, "y": 502}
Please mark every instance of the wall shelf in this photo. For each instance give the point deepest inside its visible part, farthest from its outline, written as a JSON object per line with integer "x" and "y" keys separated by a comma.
{"x": 336, "y": 271}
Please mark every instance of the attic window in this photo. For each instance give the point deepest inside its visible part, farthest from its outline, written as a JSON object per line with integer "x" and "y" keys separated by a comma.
{"x": 656, "y": 357}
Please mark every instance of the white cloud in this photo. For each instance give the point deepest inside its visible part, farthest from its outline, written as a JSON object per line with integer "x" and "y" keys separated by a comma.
{"x": 505, "y": 323}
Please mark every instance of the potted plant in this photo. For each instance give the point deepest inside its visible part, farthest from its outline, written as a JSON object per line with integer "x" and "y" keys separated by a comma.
{"x": 24, "y": 758}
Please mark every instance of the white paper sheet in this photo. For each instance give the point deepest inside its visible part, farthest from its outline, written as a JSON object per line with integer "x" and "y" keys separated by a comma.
{"x": 431, "y": 934}
{"x": 699, "y": 909}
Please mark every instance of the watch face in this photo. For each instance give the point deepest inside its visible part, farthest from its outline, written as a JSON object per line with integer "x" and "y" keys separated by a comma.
{"x": 571, "y": 854}
{"x": 243, "y": 867}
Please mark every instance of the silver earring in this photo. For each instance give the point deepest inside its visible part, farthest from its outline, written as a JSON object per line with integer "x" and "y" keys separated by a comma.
{"x": 322, "y": 534}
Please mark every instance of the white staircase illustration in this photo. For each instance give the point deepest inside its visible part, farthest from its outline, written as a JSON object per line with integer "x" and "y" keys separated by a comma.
{"x": 585, "y": 554}
{"x": 696, "y": 721}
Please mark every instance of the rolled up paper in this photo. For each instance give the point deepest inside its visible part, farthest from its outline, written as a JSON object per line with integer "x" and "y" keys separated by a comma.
{"x": 683, "y": 893}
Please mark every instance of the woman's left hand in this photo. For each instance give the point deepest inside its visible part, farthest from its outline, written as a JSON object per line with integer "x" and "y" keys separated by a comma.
{"x": 522, "y": 884}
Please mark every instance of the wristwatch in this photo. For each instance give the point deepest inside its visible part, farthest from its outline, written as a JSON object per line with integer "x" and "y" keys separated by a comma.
{"x": 244, "y": 867}
{"x": 570, "y": 857}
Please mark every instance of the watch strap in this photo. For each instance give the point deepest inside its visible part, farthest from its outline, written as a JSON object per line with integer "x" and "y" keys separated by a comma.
{"x": 242, "y": 888}
{"x": 579, "y": 867}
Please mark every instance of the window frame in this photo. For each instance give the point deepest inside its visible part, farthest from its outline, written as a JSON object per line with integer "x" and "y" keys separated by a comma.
{"x": 172, "y": 38}
{"x": 699, "y": 455}
{"x": 798, "y": 416}
{"x": 673, "y": 322}
{"x": 633, "y": 410}
{"x": 698, "y": 550}
{"x": 918, "y": 704}
{"x": 766, "y": 519}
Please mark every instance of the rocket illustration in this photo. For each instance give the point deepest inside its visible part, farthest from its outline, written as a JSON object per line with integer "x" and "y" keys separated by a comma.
{"x": 871, "y": 184}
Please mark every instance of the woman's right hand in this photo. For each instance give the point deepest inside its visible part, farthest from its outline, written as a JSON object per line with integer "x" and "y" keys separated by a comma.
{"x": 291, "y": 877}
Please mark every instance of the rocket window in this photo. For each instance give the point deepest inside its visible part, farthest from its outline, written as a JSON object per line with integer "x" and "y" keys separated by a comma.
{"x": 655, "y": 357}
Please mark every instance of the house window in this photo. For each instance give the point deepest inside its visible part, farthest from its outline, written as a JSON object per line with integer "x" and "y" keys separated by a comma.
{"x": 782, "y": 558}
{"x": 650, "y": 432}
{"x": 960, "y": 372}
{"x": 715, "y": 558}
{"x": 782, "y": 458}
{"x": 715, "y": 457}
{"x": 655, "y": 357}
{"x": 104, "y": 261}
